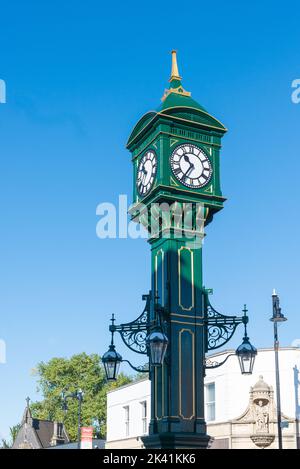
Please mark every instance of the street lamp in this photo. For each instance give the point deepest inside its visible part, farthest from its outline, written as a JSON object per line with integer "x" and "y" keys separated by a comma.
{"x": 245, "y": 352}
{"x": 148, "y": 337}
{"x": 157, "y": 343}
{"x": 135, "y": 336}
{"x": 277, "y": 318}
{"x": 111, "y": 359}
{"x": 151, "y": 334}
{"x": 74, "y": 395}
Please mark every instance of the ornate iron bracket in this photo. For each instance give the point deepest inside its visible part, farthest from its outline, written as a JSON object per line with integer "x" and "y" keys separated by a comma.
{"x": 139, "y": 369}
{"x": 134, "y": 333}
{"x": 219, "y": 328}
{"x": 208, "y": 363}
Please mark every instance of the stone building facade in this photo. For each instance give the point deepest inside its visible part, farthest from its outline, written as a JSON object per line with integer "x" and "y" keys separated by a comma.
{"x": 240, "y": 410}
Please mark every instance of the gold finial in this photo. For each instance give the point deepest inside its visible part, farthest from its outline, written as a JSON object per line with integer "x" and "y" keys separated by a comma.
{"x": 176, "y": 87}
{"x": 174, "y": 72}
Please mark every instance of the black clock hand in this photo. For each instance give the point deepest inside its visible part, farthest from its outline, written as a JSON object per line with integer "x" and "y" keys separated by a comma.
{"x": 186, "y": 173}
{"x": 145, "y": 173}
{"x": 186, "y": 158}
{"x": 189, "y": 170}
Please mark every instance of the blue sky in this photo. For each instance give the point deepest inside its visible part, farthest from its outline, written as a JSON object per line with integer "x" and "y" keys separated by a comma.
{"x": 79, "y": 75}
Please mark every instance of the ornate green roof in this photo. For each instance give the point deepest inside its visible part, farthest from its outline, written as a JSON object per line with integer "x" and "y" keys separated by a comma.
{"x": 178, "y": 100}
{"x": 177, "y": 104}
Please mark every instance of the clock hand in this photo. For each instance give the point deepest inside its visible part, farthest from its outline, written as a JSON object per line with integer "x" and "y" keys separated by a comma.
{"x": 145, "y": 173}
{"x": 186, "y": 158}
{"x": 188, "y": 171}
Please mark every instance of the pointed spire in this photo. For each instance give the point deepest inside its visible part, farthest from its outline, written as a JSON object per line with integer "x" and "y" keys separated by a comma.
{"x": 174, "y": 72}
{"x": 27, "y": 417}
{"x": 175, "y": 80}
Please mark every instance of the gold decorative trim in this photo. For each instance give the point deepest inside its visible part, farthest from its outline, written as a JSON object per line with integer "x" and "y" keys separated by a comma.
{"x": 162, "y": 391}
{"x": 179, "y": 278}
{"x": 187, "y": 323}
{"x": 209, "y": 189}
{"x": 195, "y": 109}
{"x": 160, "y": 251}
{"x": 175, "y": 77}
{"x": 186, "y": 316}
{"x": 155, "y": 404}
{"x": 213, "y": 144}
{"x": 224, "y": 129}
{"x": 193, "y": 139}
{"x": 222, "y": 199}
{"x": 193, "y": 372}
{"x": 173, "y": 182}
{"x": 162, "y": 396}
{"x": 179, "y": 90}
{"x": 173, "y": 141}
{"x": 174, "y": 70}
{"x": 148, "y": 144}
{"x": 200, "y": 124}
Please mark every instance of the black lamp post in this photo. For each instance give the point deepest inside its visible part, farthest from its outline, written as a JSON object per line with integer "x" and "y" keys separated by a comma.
{"x": 277, "y": 318}
{"x": 74, "y": 395}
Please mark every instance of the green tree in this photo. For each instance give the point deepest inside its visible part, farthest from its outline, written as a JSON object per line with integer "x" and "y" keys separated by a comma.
{"x": 13, "y": 433}
{"x": 80, "y": 371}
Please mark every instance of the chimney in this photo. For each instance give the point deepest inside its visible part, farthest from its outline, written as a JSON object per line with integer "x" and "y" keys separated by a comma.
{"x": 58, "y": 434}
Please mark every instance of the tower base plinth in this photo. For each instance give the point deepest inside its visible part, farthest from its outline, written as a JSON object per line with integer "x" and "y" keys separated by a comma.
{"x": 176, "y": 441}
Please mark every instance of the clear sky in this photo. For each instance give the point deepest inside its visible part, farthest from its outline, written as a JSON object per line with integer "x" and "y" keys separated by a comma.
{"x": 79, "y": 75}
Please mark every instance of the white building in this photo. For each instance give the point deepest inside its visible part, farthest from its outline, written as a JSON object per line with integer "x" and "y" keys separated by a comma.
{"x": 231, "y": 419}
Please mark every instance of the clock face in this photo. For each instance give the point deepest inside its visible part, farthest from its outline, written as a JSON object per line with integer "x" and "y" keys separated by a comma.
{"x": 146, "y": 172}
{"x": 191, "y": 166}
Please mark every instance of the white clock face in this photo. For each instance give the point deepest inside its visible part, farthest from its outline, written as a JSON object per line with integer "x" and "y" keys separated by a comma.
{"x": 191, "y": 166}
{"x": 146, "y": 172}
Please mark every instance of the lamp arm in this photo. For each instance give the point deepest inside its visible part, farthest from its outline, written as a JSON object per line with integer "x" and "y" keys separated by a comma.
{"x": 213, "y": 364}
{"x": 139, "y": 369}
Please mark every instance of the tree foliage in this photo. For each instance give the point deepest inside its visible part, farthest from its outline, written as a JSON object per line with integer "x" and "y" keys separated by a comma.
{"x": 81, "y": 371}
{"x": 13, "y": 431}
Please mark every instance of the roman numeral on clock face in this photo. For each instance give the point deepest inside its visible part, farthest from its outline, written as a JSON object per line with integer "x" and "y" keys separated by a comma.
{"x": 176, "y": 171}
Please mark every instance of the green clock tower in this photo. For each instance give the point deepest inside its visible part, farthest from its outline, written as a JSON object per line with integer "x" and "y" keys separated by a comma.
{"x": 176, "y": 164}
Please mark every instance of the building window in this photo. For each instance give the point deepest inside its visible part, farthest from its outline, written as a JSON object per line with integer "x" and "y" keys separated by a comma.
{"x": 126, "y": 410}
{"x": 144, "y": 417}
{"x": 210, "y": 402}
{"x": 59, "y": 430}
